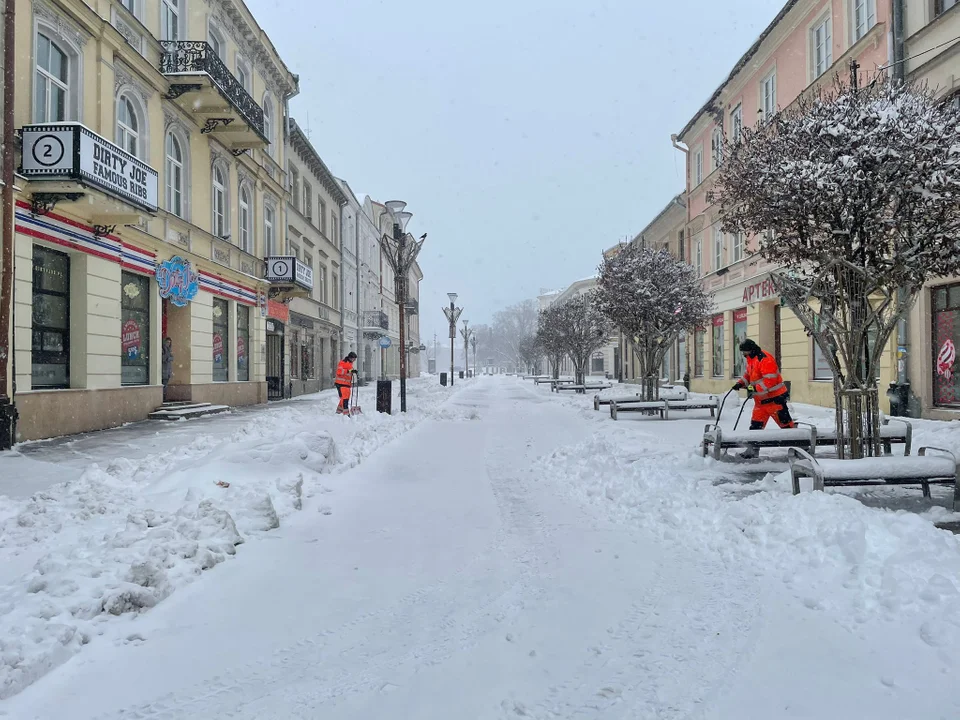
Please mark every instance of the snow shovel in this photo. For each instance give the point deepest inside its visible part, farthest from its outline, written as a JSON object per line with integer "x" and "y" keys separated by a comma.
{"x": 355, "y": 397}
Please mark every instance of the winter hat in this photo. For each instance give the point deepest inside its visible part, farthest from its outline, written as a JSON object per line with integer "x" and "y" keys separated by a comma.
{"x": 749, "y": 346}
{"x": 352, "y": 356}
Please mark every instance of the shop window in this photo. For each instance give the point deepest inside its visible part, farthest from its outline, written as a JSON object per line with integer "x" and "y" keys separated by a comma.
{"x": 665, "y": 366}
{"x": 698, "y": 342}
{"x": 221, "y": 340}
{"x": 717, "y": 345}
{"x": 596, "y": 363}
{"x": 739, "y": 335}
{"x": 682, "y": 356}
{"x": 134, "y": 329}
{"x": 821, "y": 368}
{"x": 307, "y": 359}
{"x": 243, "y": 343}
{"x": 51, "y": 319}
{"x": 946, "y": 337}
{"x": 295, "y": 354}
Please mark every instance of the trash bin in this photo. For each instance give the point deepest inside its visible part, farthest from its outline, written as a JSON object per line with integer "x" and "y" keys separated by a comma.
{"x": 384, "y": 396}
{"x": 461, "y": 374}
{"x": 443, "y": 379}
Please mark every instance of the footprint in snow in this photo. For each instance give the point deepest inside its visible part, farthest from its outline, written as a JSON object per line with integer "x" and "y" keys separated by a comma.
{"x": 326, "y": 510}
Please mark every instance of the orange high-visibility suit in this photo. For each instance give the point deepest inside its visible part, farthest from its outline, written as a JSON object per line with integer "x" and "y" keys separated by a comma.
{"x": 769, "y": 391}
{"x": 344, "y": 382}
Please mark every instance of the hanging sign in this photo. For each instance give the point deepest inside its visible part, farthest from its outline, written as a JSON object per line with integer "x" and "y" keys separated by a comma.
{"x": 71, "y": 150}
{"x": 262, "y": 302}
{"x": 718, "y": 320}
{"x": 740, "y": 316}
{"x": 241, "y": 349}
{"x": 177, "y": 280}
{"x": 218, "y": 348}
{"x": 130, "y": 339}
{"x": 945, "y": 358}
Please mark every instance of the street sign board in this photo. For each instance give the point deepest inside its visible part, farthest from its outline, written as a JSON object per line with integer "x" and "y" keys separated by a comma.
{"x": 385, "y": 342}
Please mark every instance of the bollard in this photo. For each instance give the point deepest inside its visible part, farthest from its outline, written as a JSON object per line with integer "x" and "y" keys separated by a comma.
{"x": 443, "y": 379}
{"x": 384, "y": 396}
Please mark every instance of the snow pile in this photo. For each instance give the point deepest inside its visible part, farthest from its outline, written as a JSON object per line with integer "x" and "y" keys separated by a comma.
{"x": 856, "y": 562}
{"x": 127, "y": 533}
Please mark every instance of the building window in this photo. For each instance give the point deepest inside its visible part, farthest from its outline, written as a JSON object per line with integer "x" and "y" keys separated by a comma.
{"x": 821, "y": 368}
{"x": 174, "y": 172}
{"x": 294, "y": 187}
{"x": 717, "y": 248}
{"x": 268, "y": 122}
{"x": 698, "y": 167}
{"x": 698, "y": 342}
{"x": 294, "y": 250}
{"x": 864, "y": 17}
{"x": 699, "y": 258}
{"x": 244, "y": 219}
{"x": 217, "y": 42}
{"x": 821, "y": 50}
{"x": 243, "y": 342}
{"x": 221, "y": 340}
{"x": 334, "y": 229}
{"x": 244, "y": 76}
{"x": 219, "y": 201}
{"x": 716, "y": 147}
{"x": 134, "y": 329}
{"x": 51, "y": 103}
{"x": 681, "y": 250}
{"x": 308, "y": 260}
{"x": 736, "y": 122}
{"x": 130, "y": 5}
{"x": 739, "y": 335}
{"x": 738, "y": 243}
{"x": 51, "y": 319}
{"x": 307, "y": 200}
{"x": 941, "y": 6}
{"x": 322, "y": 284}
{"x": 946, "y": 338}
{"x": 717, "y": 345}
{"x": 596, "y": 364}
{"x": 334, "y": 291}
{"x": 170, "y": 19}
{"x": 128, "y": 126}
{"x": 768, "y": 95}
{"x": 307, "y": 356}
{"x": 295, "y": 354}
{"x": 323, "y": 216}
{"x": 268, "y": 230}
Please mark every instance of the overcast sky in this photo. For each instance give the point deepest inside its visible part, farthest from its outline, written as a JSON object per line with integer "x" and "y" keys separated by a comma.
{"x": 525, "y": 135}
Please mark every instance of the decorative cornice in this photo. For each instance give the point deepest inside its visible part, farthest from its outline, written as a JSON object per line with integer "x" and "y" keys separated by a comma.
{"x": 123, "y": 77}
{"x": 264, "y": 59}
{"x": 299, "y": 142}
{"x": 130, "y": 33}
{"x": 64, "y": 26}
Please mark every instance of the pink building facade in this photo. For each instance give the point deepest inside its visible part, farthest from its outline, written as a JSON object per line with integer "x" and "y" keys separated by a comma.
{"x": 807, "y": 45}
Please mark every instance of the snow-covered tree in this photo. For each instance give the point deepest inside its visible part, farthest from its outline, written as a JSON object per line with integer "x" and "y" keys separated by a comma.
{"x": 529, "y": 351}
{"x": 550, "y": 339}
{"x": 860, "y": 186}
{"x": 583, "y": 330}
{"x": 651, "y": 297}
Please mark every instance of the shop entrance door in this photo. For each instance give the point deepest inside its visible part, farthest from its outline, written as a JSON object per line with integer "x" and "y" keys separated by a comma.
{"x": 275, "y": 377}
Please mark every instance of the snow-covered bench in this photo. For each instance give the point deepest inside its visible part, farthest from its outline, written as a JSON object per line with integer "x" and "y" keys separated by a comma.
{"x": 805, "y": 436}
{"x": 579, "y": 389}
{"x": 536, "y": 377}
{"x": 552, "y": 381}
{"x": 922, "y": 470}
{"x": 897, "y": 432}
{"x": 598, "y": 401}
{"x": 662, "y": 406}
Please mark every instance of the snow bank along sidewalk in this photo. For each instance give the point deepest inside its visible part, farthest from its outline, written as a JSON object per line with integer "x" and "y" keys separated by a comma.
{"x": 836, "y": 554}
{"x": 127, "y": 529}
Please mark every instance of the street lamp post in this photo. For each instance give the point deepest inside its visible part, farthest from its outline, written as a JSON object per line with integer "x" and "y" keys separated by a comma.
{"x": 465, "y": 334}
{"x": 401, "y": 252}
{"x": 473, "y": 342}
{"x": 453, "y": 314}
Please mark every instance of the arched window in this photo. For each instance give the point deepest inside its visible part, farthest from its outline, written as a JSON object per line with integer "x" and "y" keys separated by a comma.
{"x": 245, "y": 224}
{"x": 52, "y": 100}
{"x": 175, "y": 175}
{"x": 219, "y": 199}
{"x": 268, "y": 121}
{"x": 128, "y": 126}
{"x": 217, "y": 42}
{"x": 268, "y": 230}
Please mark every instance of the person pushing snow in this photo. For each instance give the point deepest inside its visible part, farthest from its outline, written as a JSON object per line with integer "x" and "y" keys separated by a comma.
{"x": 762, "y": 378}
{"x": 344, "y": 382}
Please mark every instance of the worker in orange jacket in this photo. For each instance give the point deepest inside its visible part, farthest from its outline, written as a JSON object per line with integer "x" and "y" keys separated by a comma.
{"x": 344, "y": 382}
{"x": 763, "y": 379}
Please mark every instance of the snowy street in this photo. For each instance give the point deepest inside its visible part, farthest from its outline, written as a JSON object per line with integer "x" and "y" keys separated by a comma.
{"x": 506, "y": 554}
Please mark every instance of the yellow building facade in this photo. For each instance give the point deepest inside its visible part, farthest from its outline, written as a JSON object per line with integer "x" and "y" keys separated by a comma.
{"x": 152, "y": 188}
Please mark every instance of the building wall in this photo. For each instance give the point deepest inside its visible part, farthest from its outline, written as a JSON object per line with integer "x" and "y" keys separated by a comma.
{"x": 114, "y": 58}
{"x": 786, "y": 49}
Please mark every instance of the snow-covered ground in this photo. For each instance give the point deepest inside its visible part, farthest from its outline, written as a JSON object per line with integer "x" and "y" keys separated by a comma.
{"x": 506, "y": 553}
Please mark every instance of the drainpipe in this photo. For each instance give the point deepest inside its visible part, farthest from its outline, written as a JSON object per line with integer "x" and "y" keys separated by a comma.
{"x": 689, "y": 241}
{"x": 902, "y": 400}
{"x": 8, "y": 411}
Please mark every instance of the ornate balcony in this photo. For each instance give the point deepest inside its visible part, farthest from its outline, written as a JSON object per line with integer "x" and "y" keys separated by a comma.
{"x": 203, "y": 86}
{"x": 375, "y": 323}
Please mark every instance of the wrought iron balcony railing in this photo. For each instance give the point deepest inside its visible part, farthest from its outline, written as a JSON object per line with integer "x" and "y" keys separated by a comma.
{"x": 189, "y": 57}
{"x": 376, "y": 319}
